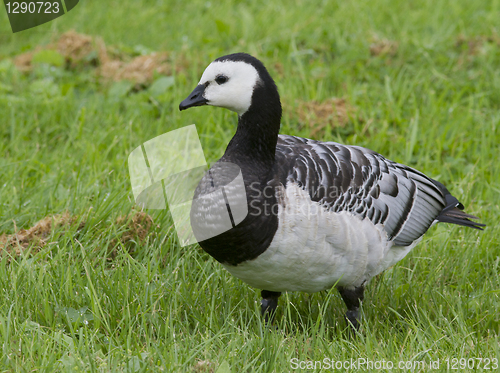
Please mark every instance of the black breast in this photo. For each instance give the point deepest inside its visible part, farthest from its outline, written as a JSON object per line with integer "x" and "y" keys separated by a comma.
{"x": 233, "y": 215}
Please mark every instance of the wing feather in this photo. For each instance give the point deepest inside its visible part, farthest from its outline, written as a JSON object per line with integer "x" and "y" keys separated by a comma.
{"x": 360, "y": 181}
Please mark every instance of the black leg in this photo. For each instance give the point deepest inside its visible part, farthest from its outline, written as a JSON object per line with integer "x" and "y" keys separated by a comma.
{"x": 268, "y": 304}
{"x": 352, "y": 300}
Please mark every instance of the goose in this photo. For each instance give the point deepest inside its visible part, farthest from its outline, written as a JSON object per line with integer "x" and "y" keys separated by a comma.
{"x": 320, "y": 214}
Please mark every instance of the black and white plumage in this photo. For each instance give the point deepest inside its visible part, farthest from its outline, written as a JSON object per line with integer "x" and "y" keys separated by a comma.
{"x": 320, "y": 214}
{"x": 362, "y": 182}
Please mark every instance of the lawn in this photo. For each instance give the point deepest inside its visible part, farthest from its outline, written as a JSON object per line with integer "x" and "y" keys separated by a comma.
{"x": 88, "y": 282}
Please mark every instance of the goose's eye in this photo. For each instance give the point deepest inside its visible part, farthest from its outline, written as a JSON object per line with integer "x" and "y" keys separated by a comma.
{"x": 221, "y": 79}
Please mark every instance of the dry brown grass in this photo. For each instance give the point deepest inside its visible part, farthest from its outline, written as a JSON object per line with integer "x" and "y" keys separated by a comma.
{"x": 280, "y": 70}
{"x": 80, "y": 50}
{"x": 23, "y": 61}
{"x": 471, "y": 47}
{"x": 204, "y": 366}
{"x": 75, "y": 47}
{"x": 383, "y": 47}
{"x": 319, "y": 115}
{"x": 37, "y": 236}
{"x": 139, "y": 70}
{"x": 474, "y": 44}
{"x": 134, "y": 227}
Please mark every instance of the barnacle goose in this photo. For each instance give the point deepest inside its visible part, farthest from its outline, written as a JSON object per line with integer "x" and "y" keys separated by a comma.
{"x": 320, "y": 214}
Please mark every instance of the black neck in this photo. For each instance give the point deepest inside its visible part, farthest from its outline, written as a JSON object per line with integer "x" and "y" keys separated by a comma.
{"x": 257, "y": 133}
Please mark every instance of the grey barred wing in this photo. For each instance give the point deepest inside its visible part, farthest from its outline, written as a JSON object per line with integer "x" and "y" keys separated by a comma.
{"x": 357, "y": 180}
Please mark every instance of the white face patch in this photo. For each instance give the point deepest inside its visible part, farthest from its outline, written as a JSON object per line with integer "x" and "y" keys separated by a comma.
{"x": 234, "y": 94}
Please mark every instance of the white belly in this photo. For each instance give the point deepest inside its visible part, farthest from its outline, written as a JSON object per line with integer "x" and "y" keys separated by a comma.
{"x": 314, "y": 249}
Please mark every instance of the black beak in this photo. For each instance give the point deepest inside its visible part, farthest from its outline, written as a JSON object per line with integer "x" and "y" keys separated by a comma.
{"x": 194, "y": 99}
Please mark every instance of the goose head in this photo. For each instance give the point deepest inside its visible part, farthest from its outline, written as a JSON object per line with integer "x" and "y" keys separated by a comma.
{"x": 234, "y": 82}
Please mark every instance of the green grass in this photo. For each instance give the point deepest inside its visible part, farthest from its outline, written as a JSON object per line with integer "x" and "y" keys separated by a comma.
{"x": 65, "y": 137}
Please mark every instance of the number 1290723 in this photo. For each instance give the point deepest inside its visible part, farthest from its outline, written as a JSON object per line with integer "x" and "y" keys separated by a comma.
{"x": 32, "y": 7}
